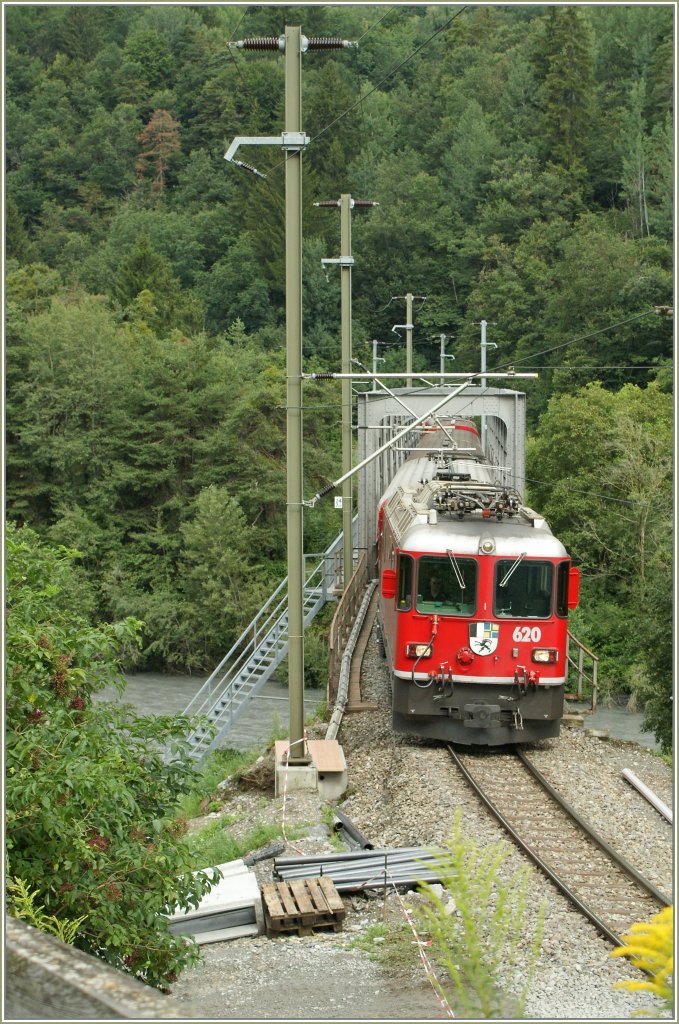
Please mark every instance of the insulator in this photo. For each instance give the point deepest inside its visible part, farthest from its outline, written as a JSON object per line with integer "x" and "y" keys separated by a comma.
{"x": 249, "y": 167}
{"x": 328, "y": 202}
{"x": 365, "y": 202}
{"x": 327, "y": 43}
{"x": 326, "y": 490}
{"x": 324, "y": 376}
{"x": 264, "y": 43}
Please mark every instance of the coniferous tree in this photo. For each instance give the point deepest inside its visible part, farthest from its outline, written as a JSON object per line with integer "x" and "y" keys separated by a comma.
{"x": 567, "y": 87}
{"x": 159, "y": 141}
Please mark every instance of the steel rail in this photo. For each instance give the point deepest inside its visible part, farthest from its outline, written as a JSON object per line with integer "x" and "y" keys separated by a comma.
{"x": 586, "y": 911}
{"x": 618, "y": 858}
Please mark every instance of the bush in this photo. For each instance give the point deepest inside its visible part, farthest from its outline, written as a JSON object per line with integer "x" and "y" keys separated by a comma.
{"x": 88, "y": 789}
{"x": 478, "y": 939}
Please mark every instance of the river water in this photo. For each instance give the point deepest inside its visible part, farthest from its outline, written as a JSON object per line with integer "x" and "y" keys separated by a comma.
{"x": 155, "y": 693}
{"x": 618, "y": 722}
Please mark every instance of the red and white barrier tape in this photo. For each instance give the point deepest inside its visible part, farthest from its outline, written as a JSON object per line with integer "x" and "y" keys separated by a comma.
{"x": 286, "y": 755}
{"x": 426, "y": 963}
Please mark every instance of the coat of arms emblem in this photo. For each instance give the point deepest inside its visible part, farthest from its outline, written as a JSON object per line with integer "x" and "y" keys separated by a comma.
{"x": 483, "y": 637}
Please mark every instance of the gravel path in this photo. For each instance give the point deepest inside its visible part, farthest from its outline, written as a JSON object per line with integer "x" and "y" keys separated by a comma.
{"x": 403, "y": 792}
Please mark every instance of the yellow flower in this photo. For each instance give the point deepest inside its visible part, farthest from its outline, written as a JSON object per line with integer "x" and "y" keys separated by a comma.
{"x": 649, "y": 946}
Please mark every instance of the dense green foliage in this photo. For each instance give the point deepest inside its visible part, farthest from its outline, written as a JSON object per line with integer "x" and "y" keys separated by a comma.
{"x": 523, "y": 162}
{"x": 602, "y": 475}
{"x": 93, "y": 850}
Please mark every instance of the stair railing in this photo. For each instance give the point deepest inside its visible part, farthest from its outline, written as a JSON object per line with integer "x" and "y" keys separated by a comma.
{"x": 321, "y": 584}
{"x": 579, "y": 666}
{"x": 242, "y": 650}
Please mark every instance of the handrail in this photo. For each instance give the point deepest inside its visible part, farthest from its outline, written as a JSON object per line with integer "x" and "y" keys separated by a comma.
{"x": 264, "y": 633}
{"x": 342, "y": 620}
{"x": 209, "y": 692}
{"x": 227, "y": 659}
{"x": 230, "y": 654}
{"x": 579, "y": 667}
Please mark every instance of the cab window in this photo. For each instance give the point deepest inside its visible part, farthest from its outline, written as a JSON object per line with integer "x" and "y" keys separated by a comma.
{"x": 404, "y": 594}
{"x": 523, "y": 588}
{"x": 562, "y": 589}
{"x": 446, "y": 585}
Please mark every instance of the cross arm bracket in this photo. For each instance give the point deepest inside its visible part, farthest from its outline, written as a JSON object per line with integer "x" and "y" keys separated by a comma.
{"x": 291, "y": 142}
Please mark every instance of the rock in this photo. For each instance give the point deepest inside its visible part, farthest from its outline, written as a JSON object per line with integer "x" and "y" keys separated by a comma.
{"x": 598, "y": 734}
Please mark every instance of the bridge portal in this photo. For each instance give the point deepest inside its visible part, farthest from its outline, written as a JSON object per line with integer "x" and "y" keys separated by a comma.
{"x": 380, "y": 416}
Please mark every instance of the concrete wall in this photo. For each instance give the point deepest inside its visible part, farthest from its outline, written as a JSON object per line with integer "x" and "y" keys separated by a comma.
{"x": 47, "y": 980}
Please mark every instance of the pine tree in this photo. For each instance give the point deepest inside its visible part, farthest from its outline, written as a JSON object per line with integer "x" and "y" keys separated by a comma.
{"x": 567, "y": 90}
{"x": 159, "y": 140}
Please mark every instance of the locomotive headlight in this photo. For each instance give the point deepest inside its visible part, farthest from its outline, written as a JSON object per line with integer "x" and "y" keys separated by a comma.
{"x": 546, "y": 655}
{"x": 418, "y": 650}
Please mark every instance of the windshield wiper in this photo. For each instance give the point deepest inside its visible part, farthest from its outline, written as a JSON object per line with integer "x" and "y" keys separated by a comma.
{"x": 453, "y": 562}
{"x": 503, "y": 583}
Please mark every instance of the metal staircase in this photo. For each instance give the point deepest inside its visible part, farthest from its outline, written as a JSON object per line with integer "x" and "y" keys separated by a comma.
{"x": 258, "y": 652}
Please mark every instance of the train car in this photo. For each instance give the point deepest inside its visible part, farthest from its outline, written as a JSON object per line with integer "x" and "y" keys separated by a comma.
{"x": 474, "y": 598}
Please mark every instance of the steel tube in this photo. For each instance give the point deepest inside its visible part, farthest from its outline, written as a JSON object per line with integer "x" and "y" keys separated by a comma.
{"x": 393, "y": 852}
{"x": 330, "y": 871}
{"x": 353, "y": 865}
{"x": 648, "y": 794}
{"x": 348, "y": 826}
{"x": 407, "y": 871}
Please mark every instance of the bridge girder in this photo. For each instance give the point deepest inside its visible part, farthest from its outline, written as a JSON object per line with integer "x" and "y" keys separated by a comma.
{"x": 379, "y": 414}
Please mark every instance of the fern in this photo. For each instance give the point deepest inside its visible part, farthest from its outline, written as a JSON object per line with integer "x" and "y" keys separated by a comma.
{"x": 23, "y": 906}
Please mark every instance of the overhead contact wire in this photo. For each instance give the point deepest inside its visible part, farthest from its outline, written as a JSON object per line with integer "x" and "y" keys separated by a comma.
{"x": 388, "y": 75}
{"x": 574, "y": 341}
{"x": 379, "y": 22}
{"x": 514, "y": 363}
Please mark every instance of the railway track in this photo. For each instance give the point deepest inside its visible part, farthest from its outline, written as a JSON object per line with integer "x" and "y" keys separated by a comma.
{"x": 594, "y": 877}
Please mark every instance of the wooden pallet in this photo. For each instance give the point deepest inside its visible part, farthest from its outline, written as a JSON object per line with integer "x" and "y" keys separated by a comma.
{"x": 302, "y": 905}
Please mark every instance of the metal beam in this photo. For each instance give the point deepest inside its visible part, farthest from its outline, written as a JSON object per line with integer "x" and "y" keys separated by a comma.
{"x": 380, "y": 416}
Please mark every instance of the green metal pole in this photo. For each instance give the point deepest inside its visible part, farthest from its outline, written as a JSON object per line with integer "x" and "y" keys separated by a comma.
{"x": 409, "y": 332}
{"x": 347, "y": 454}
{"x": 293, "y": 307}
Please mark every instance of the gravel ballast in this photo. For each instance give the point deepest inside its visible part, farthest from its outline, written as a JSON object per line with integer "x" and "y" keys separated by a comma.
{"x": 404, "y": 792}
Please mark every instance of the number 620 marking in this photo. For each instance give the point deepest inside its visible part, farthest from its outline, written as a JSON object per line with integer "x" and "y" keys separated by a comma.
{"x": 526, "y": 634}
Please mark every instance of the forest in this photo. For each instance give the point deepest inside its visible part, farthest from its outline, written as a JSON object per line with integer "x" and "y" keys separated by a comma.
{"x": 523, "y": 162}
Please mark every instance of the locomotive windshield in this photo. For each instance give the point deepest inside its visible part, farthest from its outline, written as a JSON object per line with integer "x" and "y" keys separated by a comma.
{"x": 523, "y": 588}
{"x": 446, "y": 585}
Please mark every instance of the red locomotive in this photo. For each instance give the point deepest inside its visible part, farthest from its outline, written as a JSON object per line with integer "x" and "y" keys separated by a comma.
{"x": 474, "y": 598}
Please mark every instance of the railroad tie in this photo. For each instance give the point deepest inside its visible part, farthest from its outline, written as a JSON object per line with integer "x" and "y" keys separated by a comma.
{"x": 302, "y": 905}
